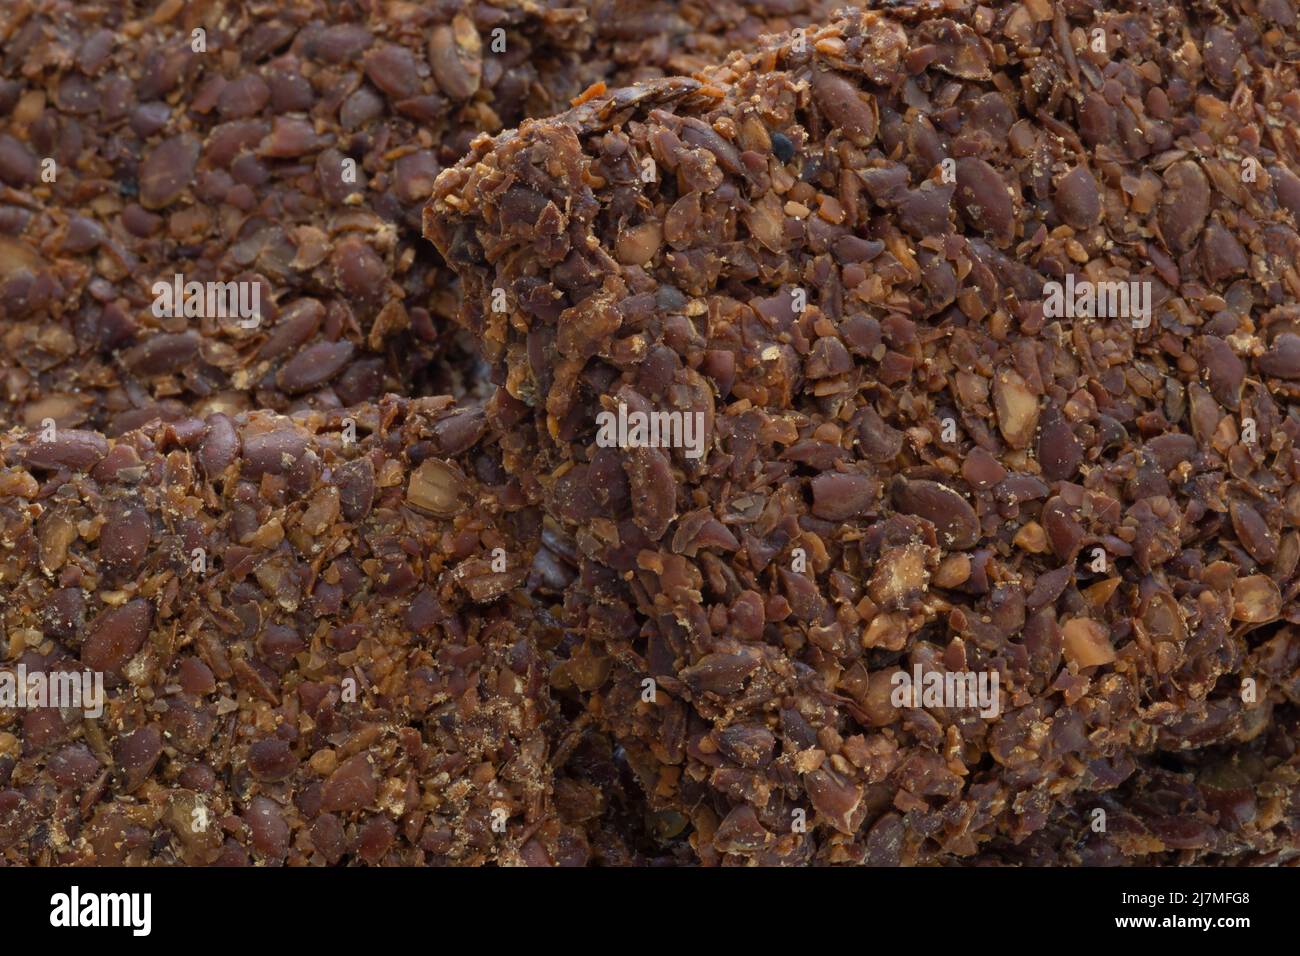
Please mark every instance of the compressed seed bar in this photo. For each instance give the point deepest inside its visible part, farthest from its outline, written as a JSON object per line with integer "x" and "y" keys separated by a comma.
{"x": 229, "y": 164}
{"x": 125, "y": 94}
{"x": 314, "y": 640}
{"x": 858, "y": 258}
{"x": 283, "y": 148}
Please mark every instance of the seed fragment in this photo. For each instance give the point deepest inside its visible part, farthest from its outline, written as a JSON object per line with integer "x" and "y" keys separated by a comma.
{"x": 1087, "y": 643}
{"x": 1256, "y": 599}
{"x": 1016, "y": 406}
{"x": 437, "y": 487}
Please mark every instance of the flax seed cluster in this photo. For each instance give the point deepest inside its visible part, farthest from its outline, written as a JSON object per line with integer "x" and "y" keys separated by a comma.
{"x": 988, "y": 315}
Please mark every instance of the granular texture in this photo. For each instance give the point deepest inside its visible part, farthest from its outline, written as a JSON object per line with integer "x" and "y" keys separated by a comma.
{"x": 856, "y": 257}
{"x": 810, "y": 436}
{"x": 287, "y": 147}
{"x": 314, "y": 642}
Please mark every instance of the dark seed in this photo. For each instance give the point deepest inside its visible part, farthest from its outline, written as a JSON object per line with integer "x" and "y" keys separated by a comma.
{"x": 392, "y": 68}
{"x": 1184, "y": 204}
{"x": 350, "y": 787}
{"x": 271, "y": 760}
{"x": 838, "y": 497}
{"x": 360, "y": 272}
{"x": 168, "y": 170}
{"x": 1282, "y": 360}
{"x": 136, "y": 754}
{"x": 1254, "y": 532}
{"x": 983, "y": 199}
{"x": 1077, "y": 201}
{"x": 114, "y": 637}
{"x": 653, "y": 490}
{"x": 951, "y": 514}
{"x": 162, "y": 352}
{"x": 782, "y": 147}
{"x": 846, "y": 107}
{"x": 69, "y": 448}
{"x": 1059, "y": 451}
{"x": 314, "y": 366}
{"x": 125, "y": 539}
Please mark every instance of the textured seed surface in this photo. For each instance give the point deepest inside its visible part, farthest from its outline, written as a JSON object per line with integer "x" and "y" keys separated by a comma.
{"x": 914, "y": 463}
{"x": 836, "y": 497}
{"x": 846, "y": 105}
{"x": 1184, "y": 204}
{"x": 953, "y": 517}
{"x": 1017, "y": 408}
{"x": 314, "y": 366}
{"x": 456, "y": 56}
{"x": 437, "y": 488}
{"x": 983, "y": 199}
{"x": 114, "y": 637}
{"x": 346, "y": 627}
{"x": 1077, "y": 201}
{"x": 1283, "y": 357}
{"x": 168, "y": 170}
